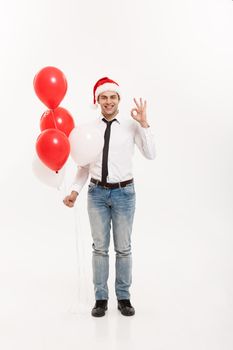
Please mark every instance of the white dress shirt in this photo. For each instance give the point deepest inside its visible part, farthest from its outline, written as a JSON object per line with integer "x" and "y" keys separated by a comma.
{"x": 125, "y": 133}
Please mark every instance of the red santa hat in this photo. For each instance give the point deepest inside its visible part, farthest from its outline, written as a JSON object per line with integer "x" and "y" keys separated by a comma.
{"x": 102, "y": 85}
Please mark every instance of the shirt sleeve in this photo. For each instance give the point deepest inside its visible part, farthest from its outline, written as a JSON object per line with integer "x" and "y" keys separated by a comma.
{"x": 145, "y": 141}
{"x": 80, "y": 178}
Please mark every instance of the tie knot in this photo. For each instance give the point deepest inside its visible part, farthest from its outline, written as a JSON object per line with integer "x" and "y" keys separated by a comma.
{"x": 108, "y": 122}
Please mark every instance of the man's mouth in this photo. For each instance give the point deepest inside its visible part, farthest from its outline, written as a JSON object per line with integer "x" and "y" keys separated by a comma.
{"x": 109, "y": 107}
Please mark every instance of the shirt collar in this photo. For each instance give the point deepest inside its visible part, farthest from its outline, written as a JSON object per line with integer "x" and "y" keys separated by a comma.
{"x": 117, "y": 117}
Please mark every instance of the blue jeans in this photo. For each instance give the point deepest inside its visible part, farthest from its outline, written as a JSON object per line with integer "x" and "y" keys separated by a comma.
{"x": 116, "y": 207}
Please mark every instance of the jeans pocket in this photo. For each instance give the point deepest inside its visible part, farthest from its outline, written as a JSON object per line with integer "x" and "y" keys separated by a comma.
{"x": 91, "y": 187}
{"x": 129, "y": 189}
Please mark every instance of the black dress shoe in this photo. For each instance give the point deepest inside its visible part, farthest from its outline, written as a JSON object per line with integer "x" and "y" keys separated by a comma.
{"x": 125, "y": 307}
{"x": 100, "y": 307}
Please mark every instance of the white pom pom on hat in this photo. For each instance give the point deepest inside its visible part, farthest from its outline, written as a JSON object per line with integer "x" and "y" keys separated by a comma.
{"x": 102, "y": 85}
{"x": 94, "y": 106}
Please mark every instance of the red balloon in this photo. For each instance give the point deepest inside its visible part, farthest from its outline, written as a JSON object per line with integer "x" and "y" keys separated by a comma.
{"x": 50, "y": 86}
{"x": 59, "y": 118}
{"x": 53, "y": 148}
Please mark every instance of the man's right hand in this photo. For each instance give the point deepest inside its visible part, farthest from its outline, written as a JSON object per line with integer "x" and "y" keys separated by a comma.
{"x": 70, "y": 200}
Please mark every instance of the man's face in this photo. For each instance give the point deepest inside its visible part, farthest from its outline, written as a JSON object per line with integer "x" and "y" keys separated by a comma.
{"x": 108, "y": 101}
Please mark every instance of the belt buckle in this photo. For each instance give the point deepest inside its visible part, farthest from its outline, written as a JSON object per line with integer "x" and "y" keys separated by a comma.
{"x": 106, "y": 187}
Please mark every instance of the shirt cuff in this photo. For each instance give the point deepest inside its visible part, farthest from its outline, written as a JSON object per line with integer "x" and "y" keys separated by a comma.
{"x": 76, "y": 188}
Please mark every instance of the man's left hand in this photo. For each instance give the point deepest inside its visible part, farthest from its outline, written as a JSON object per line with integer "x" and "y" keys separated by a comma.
{"x": 139, "y": 113}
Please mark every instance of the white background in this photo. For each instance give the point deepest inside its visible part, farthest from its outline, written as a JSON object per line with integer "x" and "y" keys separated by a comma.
{"x": 178, "y": 55}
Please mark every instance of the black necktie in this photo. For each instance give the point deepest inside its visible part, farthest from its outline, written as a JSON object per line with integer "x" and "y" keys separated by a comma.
{"x": 105, "y": 150}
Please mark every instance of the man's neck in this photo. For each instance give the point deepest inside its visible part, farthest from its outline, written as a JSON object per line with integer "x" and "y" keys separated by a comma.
{"x": 110, "y": 116}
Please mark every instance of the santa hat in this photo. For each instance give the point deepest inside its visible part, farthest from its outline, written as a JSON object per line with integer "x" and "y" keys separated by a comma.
{"x": 102, "y": 85}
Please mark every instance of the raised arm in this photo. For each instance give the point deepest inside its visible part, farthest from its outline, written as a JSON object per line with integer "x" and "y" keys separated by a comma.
{"x": 143, "y": 137}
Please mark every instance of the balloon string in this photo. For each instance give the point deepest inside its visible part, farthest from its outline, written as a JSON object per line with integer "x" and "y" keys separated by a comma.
{"x": 55, "y": 124}
{"x": 54, "y": 120}
{"x": 81, "y": 296}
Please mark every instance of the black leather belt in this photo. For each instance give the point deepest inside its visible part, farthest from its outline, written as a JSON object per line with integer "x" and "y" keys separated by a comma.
{"x": 112, "y": 185}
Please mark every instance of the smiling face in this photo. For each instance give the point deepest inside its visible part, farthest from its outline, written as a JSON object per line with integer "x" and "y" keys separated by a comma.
{"x": 108, "y": 102}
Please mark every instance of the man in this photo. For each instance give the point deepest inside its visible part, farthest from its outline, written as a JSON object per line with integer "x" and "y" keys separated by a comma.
{"x": 111, "y": 192}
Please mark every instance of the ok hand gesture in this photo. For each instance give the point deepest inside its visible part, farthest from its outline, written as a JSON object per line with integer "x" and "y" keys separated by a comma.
{"x": 139, "y": 113}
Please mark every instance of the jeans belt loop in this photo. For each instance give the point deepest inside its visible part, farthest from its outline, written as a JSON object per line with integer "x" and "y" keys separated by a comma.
{"x": 119, "y": 185}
